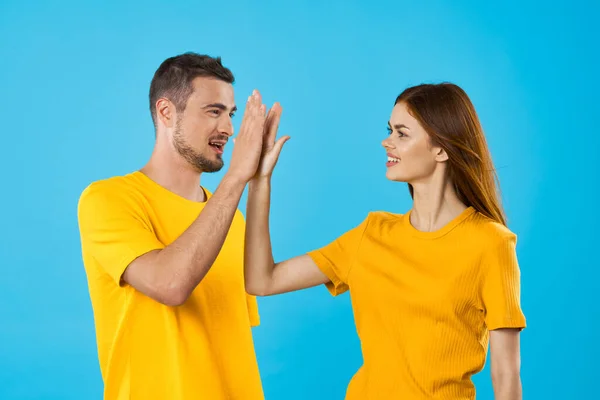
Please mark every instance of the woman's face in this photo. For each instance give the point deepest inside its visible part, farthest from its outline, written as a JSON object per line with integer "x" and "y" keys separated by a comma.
{"x": 410, "y": 155}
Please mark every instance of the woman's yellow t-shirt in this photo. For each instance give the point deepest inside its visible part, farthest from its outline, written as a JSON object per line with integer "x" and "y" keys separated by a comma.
{"x": 424, "y": 302}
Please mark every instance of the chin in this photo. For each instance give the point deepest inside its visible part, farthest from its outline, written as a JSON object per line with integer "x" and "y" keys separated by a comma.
{"x": 213, "y": 167}
{"x": 395, "y": 177}
{"x": 203, "y": 164}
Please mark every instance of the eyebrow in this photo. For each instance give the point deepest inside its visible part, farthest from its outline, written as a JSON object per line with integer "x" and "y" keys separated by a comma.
{"x": 398, "y": 126}
{"x": 220, "y": 106}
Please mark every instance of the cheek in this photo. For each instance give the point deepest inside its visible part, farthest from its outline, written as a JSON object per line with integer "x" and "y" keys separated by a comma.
{"x": 408, "y": 149}
{"x": 198, "y": 129}
{"x": 416, "y": 157}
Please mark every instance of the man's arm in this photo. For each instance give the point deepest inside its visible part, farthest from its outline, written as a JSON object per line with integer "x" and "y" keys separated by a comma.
{"x": 170, "y": 275}
{"x": 506, "y": 364}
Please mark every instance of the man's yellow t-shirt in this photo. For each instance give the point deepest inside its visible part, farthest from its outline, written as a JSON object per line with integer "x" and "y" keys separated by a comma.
{"x": 424, "y": 302}
{"x": 202, "y": 349}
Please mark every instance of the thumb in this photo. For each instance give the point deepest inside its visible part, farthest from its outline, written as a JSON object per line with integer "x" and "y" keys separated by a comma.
{"x": 233, "y": 141}
{"x": 279, "y": 144}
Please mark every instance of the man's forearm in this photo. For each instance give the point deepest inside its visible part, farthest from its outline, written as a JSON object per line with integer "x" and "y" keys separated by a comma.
{"x": 258, "y": 255}
{"x": 187, "y": 260}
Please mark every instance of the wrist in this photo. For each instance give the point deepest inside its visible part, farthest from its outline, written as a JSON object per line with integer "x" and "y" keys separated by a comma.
{"x": 234, "y": 181}
{"x": 258, "y": 182}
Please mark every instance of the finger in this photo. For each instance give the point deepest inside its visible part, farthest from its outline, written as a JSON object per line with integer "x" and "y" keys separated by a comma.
{"x": 257, "y": 99}
{"x": 279, "y": 145}
{"x": 256, "y": 126}
{"x": 257, "y": 95}
{"x": 249, "y": 106}
{"x": 268, "y": 123}
{"x": 273, "y": 124}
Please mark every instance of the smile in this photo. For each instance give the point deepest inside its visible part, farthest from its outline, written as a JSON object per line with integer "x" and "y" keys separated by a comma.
{"x": 217, "y": 146}
{"x": 391, "y": 161}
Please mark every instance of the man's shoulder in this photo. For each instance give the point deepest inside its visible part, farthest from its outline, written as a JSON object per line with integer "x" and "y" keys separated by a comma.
{"x": 110, "y": 191}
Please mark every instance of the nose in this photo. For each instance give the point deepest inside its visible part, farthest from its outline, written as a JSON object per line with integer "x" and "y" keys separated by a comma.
{"x": 226, "y": 126}
{"x": 386, "y": 143}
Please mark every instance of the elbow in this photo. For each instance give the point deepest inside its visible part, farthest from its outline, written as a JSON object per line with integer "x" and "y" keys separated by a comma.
{"x": 174, "y": 298}
{"x": 172, "y": 295}
{"x": 254, "y": 289}
{"x": 258, "y": 279}
{"x": 156, "y": 279}
{"x": 257, "y": 293}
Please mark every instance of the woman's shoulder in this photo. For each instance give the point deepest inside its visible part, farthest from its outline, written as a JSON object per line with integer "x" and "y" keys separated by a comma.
{"x": 376, "y": 220}
{"x": 490, "y": 230}
{"x": 383, "y": 216}
{"x": 380, "y": 214}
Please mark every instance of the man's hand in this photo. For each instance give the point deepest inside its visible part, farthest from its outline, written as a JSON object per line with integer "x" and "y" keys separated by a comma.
{"x": 249, "y": 142}
{"x": 270, "y": 148}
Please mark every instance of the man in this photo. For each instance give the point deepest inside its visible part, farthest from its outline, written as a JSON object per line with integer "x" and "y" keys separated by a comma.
{"x": 164, "y": 256}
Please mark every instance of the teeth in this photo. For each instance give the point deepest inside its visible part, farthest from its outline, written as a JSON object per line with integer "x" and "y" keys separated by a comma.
{"x": 392, "y": 159}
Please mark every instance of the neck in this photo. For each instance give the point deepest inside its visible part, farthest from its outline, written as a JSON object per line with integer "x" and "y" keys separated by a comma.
{"x": 171, "y": 171}
{"x": 435, "y": 204}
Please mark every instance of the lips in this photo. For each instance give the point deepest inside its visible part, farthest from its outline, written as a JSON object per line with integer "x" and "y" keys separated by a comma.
{"x": 218, "y": 145}
{"x": 391, "y": 160}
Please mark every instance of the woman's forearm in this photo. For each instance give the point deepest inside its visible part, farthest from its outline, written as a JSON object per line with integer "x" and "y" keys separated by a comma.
{"x": 258, "y": 256}
{"x": 507, "y": 386}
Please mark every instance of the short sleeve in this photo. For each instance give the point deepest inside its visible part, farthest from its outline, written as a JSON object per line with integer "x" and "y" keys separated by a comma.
{"x": 253, "y": 310}
{"x": 114, "y": 229}
{"x": 501, "y": 286}
{"x": 336, "y": 258}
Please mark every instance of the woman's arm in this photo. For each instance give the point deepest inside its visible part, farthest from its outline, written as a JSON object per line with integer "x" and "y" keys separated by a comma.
{"x": 262, "y": 276}
{"x": 506, "y": 364}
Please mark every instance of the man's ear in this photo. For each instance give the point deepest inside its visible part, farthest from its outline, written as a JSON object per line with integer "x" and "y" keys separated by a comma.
{"x": 165, "y": 112}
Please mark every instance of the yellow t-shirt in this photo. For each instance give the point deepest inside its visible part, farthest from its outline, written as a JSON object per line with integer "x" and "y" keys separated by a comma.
{"x": 202, "y": 349}
{"x": 424, "y": 302}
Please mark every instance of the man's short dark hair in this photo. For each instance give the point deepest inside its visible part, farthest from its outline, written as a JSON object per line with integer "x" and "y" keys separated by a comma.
{"x": 173, "y": 79}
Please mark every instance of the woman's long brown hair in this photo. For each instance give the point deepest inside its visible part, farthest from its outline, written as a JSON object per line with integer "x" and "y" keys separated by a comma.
{"x": 447, "y": 114}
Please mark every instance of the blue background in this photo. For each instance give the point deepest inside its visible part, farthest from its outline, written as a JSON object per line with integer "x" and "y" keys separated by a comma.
{"x": 74, "y": 81}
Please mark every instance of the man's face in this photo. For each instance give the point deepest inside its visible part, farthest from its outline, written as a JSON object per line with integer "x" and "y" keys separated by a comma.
{"x": 204, "y": 127}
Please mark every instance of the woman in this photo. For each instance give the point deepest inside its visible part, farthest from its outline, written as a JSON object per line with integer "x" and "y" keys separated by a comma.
{"x": 430, "y": 288}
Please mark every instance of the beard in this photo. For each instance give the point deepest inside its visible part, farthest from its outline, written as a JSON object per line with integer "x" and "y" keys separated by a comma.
{"x": 196, "y": 159}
